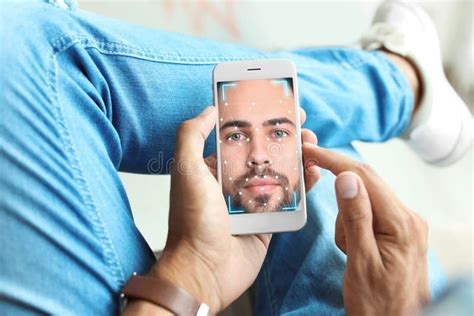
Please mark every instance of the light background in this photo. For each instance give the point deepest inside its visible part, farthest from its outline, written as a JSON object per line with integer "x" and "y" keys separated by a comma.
{"x": 442, "y": 195}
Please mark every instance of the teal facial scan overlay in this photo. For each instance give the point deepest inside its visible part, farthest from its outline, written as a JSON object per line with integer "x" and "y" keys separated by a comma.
{"x": 293, "y": 207}
{"x": 224, "y": 86}
{"x": 284, "y": 83}
{"x": 286, "y": 208}
{"x": 233, "y": 210}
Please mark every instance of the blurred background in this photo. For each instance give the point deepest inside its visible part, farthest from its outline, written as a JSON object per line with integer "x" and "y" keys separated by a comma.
{"x": 444, "y": 196}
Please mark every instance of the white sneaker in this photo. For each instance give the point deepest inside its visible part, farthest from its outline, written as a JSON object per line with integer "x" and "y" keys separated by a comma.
{"x": 442, "y": 128}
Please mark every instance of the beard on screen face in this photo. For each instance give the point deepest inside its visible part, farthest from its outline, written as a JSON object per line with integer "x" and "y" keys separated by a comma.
{"x": 263, "y": 202}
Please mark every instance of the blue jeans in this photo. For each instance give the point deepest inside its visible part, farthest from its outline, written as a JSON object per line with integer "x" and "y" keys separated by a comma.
{"x": 84, "y": 97}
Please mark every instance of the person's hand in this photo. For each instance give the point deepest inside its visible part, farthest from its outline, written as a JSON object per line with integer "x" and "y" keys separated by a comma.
{"x": 201, "y": 256}
{"x": 385, "y": 242}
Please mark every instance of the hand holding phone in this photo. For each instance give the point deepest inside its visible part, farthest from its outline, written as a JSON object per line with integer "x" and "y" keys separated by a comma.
{"x": 201, "y": 256}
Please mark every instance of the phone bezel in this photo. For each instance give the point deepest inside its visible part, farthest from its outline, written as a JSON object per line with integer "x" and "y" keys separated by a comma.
{"x": 268, "y": 69}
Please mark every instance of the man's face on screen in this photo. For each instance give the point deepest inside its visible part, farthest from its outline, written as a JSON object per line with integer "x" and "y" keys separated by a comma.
{"x": 258, "y": 145}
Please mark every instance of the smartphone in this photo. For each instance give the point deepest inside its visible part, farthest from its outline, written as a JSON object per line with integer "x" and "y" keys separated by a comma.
{"x": 258, "y": 139}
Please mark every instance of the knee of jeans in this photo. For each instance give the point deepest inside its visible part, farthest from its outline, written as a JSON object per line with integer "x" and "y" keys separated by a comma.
{"x": 29, "y": 34}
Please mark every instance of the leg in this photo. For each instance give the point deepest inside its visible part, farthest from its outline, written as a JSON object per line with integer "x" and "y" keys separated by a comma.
{"x": 86, "y": 96}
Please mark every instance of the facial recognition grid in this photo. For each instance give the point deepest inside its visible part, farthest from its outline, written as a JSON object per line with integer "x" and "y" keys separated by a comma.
{"x": 227, "y": 104}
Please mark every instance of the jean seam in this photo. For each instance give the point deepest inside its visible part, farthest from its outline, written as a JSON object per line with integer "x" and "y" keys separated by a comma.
{"x": 108, "y": 250}
{"x": 123, "y": 49}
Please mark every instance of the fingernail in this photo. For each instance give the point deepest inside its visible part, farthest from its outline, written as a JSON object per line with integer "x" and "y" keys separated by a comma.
{"x": 347, "y": 187}
{"x": 207, "y": 110}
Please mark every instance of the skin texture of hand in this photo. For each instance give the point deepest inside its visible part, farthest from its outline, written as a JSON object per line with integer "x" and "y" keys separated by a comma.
{"x": 385, "y": 242}
{"x": 201, "y": 256}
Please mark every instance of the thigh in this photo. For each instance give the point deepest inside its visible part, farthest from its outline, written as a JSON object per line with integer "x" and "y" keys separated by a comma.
{"x": 85, "y": 96}
{"x": 68, "y": 240}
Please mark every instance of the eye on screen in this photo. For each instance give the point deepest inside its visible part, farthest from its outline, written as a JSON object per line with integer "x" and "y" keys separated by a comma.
{"x": 258, "y": 141}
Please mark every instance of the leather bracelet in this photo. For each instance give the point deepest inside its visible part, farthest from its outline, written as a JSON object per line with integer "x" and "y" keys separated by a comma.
{"x": 162, "y": 293}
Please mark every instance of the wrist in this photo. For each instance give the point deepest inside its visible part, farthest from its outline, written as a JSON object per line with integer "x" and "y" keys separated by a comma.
{"x": 141, "y": 307}
{"x": 181, "y": 267}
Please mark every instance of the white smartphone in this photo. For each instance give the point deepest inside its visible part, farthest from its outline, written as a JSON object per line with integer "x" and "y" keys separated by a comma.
{"x": 258, "y": 138}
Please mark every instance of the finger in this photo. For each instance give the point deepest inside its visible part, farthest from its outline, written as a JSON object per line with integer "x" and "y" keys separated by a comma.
{"x": 265, "y": 239}
{"x": 355, "y": 211}
{"x": 211, "y": 162}
{"x": 302, "y": 116}
{"x": 308, "y": 136}
{"x": 384, "y": 202}
{"x": 332, "y": 161}
{"x": 192, "y": 134}
{"x": 312, "y": 173}
{"x": 340, "y": 237}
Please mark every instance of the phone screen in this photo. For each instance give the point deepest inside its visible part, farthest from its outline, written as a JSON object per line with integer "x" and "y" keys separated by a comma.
{"x": 260, "y": 162}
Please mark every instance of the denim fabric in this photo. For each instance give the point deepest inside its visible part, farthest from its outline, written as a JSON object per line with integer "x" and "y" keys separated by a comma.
{"x": 84, "y": 97}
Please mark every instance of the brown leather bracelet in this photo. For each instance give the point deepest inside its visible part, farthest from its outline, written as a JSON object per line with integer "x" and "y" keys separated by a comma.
{"x": 164, "y": 294}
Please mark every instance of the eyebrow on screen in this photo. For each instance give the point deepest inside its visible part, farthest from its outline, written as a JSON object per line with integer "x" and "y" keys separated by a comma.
{"x": 243, "y": 124}
{"x": 280, "y": 120}
{"x": 236, "y": 123}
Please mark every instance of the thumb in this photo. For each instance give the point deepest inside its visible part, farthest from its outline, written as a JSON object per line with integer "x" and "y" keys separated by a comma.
{"x": 193, "y": 133}
{"x": 356, "y": 215}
